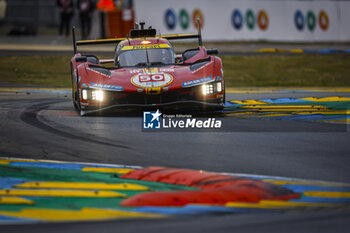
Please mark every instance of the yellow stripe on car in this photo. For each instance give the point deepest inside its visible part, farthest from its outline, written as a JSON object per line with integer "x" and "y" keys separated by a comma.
{"x": 151, "y": 46}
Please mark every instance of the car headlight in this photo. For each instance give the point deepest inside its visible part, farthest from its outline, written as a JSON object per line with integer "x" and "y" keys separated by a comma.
{"x": 84, "y": 94}
{"x": 211, "y": 88}
{"x": 207, "y": 89}
{"x": 97, "y": 95}
{"x": 218, "y": 87}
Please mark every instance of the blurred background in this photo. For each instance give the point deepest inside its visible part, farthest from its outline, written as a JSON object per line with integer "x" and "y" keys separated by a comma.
{"x": 223, "y": 20}
{"x": 44, "y": 17}
{"x": 242, "y": 30}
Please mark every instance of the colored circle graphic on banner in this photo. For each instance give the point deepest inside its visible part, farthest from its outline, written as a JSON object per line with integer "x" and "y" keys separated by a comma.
{"x": 299, "y": 20}
{"x": 184, "y": 19}
{"x": 237, "y": 19}
{"x": 170, "y": 19}
{"x": 197, "y": 14}
{"x": 311, "y": 20}
{"x": 250, "y": 19}
{"x": 263, "y": 20}
{"x": 323, "y": 20}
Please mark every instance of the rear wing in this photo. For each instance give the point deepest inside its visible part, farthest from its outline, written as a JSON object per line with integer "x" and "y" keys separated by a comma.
{"x": 135, "y": 32}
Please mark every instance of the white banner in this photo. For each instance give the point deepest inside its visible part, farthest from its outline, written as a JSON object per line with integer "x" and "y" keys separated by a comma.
{"x": 250, "y": 19}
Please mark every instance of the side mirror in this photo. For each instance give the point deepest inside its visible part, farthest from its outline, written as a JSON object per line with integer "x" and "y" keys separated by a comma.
{"x": 212, "y": 51}
{"x": 189, "y": 53}
{"x": 81, "y": 59}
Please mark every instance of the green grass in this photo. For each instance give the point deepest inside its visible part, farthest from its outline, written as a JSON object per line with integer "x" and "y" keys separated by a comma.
{"x": 293, "y": 70}
{"x": 281, "y": 70}
{"x": 38, "y": 70}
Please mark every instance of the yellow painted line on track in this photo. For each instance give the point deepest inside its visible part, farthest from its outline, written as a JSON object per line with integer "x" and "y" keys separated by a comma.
{"x": 15, "y": 200}
{"x": 272, "y": 115}
{"x": 296, "y": 204}
{"x": 294, "y": 110}
{"x": 326, "y": 99}
{"x": 8, "y": 161}
{"x": 342, "y": 121}
{"x": 301, "y": 111}
{"x": 249, "y": 102}
{"x": 285, "y": 106}
{"x": 316, "y": 183}
{"x": 240, "y": 113}
{"x": 235, "y": 91}
{"x": 107, "y": 169}
{"x": 248, "y": 205}
{"x": 81, "y": 185}
{"x": 296, "y": 50}
{"x": 330, "y": 112}
{"x": 4, "y": 161}
{"x": 270, "y": 50}
{"x": 78, "y": 215}
{"x": 59, "y": 193}
{"x": 267, "y": 204}
{"x": 327, "y": 194}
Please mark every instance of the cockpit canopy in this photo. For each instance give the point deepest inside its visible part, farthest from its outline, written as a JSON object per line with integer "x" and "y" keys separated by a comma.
{"x": 143, "y": 55}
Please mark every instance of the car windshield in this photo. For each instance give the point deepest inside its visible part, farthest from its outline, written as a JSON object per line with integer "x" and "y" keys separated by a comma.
{"x": 138, "y": 57}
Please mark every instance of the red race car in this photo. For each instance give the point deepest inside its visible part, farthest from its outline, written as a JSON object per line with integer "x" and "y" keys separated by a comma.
{"x": 146, "y": 73}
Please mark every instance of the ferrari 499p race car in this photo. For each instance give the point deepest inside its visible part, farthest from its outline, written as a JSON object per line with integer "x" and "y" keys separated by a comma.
{"x": 146, "y": 73}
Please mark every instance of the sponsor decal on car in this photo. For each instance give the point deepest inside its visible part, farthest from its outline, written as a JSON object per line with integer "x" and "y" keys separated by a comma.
{"x": 148, "y": 70}
{"x": 148, "y": 80}
{"x": 197, "y": 81}
{"x": 106, "y": 86}
{"x": 166, "y": 70}
{"x": 135, "y": 71}
{"x": 151, "y": 46}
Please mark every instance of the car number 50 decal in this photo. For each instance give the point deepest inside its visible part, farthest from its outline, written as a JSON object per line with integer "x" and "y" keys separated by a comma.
{"x": 151, "y": 80}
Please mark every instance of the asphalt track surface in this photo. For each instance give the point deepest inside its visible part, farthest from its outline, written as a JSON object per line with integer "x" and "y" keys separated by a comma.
{"x": 45, "y": 126}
